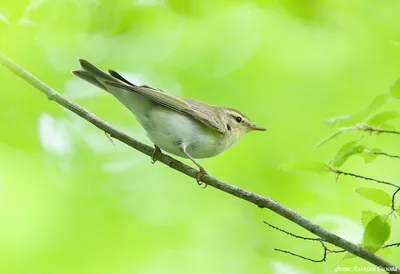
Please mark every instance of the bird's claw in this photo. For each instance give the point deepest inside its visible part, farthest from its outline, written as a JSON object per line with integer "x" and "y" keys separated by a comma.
{"x": 201, "y": 172}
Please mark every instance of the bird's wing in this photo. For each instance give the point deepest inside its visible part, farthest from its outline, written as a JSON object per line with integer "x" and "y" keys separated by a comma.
{"x": 193, "y": 108}
{"x": 202, "y": 111}
{"x": 186, "y": 106}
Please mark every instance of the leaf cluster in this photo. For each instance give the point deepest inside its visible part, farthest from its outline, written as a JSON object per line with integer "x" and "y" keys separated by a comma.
{"x": 377, "y": 227}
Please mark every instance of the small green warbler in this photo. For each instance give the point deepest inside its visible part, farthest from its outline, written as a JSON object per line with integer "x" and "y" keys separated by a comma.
{"x": 181, "y": 126}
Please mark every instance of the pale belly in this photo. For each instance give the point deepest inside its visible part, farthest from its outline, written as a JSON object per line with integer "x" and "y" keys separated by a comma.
{"x": 169, "y": 130}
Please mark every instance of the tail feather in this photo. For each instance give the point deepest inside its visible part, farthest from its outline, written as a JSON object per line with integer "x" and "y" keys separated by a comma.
{"x": 119, "y": 77}
{"x": 98, "y": 77}
{"x": 87, "y": 76}
{"x": 89, "y": 67}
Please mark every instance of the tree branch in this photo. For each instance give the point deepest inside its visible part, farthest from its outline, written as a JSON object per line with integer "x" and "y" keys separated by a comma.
{"x": 260, "y": 201}
{"x": 340, "y": 172}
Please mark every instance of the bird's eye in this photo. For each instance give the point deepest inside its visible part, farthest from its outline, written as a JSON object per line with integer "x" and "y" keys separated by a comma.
{"x": 238, "y": 119}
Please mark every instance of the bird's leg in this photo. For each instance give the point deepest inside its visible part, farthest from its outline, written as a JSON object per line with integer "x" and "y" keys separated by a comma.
{"x": 156, "y": 151}
{"x": 201, "y": 172}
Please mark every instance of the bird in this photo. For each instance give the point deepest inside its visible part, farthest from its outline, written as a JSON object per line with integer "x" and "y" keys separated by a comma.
{"x": 181, "y": 126}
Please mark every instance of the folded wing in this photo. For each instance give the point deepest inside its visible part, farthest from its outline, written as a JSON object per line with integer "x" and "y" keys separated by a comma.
{"x": 195, "y": 109}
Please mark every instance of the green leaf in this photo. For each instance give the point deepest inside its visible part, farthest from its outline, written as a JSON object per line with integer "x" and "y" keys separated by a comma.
{"x": 384, "y": 252}
{"x": 367, "y": 216}
{"x": 376, "y": 233}
{"x": 330, "y": 137}
{"x": 376, "y": 195}
{"x": 388, "y": 127}
{"x": 369, "y": 155}
{"x": 381, "y": 251}
{"x": 351, "y": 119}
{"x": 395, "y": 89}
{"x": 314, "y": 167}
{"x": 345, "y": 152}
{"x": 378, "y": 102}
{"x": 381, "y": 118}
{"x": 339, "y": 120}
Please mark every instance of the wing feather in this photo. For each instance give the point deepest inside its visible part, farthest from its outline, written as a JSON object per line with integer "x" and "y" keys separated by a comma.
{"x": 202, "y": 113}
{"x": 198, "y": 110}
{"x": 193, "y": 108}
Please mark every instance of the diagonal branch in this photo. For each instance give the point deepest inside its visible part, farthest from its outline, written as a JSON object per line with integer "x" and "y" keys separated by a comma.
{"x": 260, "y": 201}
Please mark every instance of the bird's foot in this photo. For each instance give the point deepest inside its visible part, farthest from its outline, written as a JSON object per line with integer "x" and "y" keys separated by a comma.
{"x": 201, "y": 172}
{"x": 156, "y": 152}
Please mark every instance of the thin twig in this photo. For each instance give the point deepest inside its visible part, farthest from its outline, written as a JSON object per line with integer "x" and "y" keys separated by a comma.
{"x": 340, "y": 172}
{"x": 393, "y": 206}
{"x": 260, "y": 201}
{"x": 320, "y": 240}
{"x": 391, "y": 245}
{"x": 336, "y": 251}
{"x": 293, "y": 235}
{"x": 370, "y": 129}
{"x": 358, "y": 127}
{"x": 386, "y": 131}
{"x": 386, "y": 154}
{"x": 323, "y": 259}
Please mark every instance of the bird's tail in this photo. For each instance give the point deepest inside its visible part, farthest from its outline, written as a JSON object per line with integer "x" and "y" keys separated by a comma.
{"x": 92, "y": 74}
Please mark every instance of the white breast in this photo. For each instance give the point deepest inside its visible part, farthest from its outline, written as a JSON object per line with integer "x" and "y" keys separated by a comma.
{"x": 169, "y": 129}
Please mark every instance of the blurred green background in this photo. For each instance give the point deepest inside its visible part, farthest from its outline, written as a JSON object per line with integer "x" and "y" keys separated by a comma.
{"x": 71, "y": 202}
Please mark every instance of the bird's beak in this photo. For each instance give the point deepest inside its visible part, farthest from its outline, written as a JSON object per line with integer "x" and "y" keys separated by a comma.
{"x": 255, "y": 127}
